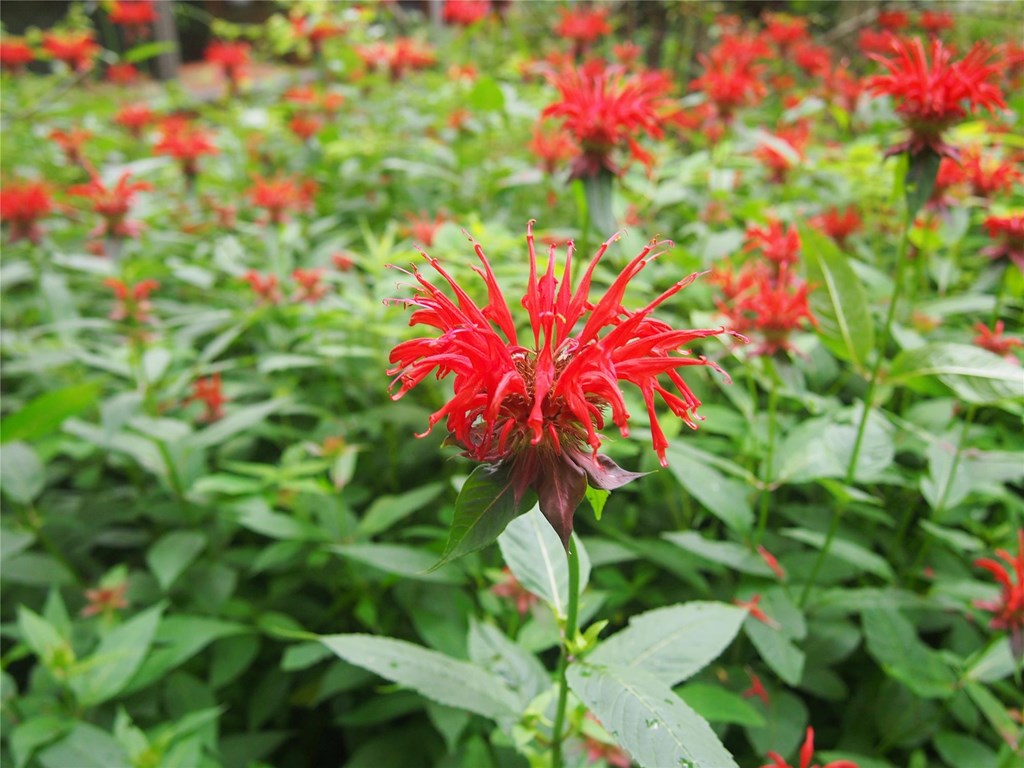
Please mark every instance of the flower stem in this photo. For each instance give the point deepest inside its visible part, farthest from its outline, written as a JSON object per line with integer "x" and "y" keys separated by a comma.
{"x": 766, "y": 475}
{"x": 563, "y": 663}
{"x": 851, "y": 470}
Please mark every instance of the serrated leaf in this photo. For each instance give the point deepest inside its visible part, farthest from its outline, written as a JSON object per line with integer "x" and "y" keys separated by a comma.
{"x": 438, "y": 677}
{"x": 975, "y": 375}
{"x": 837, "y": 299}
{"x": 672, "y": 643}
{"x": 490, "y": 649}
{"x": 172, "y": 554}
{"x": 120, "y": 653}
{"x": 723, "y": 497}
{"x": 646, "y": 718}
{"x": 893, "y": 642}
{"x": 535, "y": 556}
{"x": 485, "y": 505}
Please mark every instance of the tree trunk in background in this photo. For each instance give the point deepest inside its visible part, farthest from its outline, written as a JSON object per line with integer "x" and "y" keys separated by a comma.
{"x": 165, "y": 31}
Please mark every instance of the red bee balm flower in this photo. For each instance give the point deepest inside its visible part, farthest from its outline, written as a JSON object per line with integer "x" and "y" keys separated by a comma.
{"x": 76, "y": 49}
{"x": 603, "y": 108}
{"x": 134, "y": 117}
{"x": 1009, "y": 607}
{"x": 838, "y": 226}
{"x": 1008, "y": 232}
{"x": 536, "y": 410}
{"x": 208, "y": 392}
{"x": 133, "y": 13}
{"x": 280, "y": 195}
{"x": 22, "y": 204}
{"x": 466, "y": 12}
{"x": 15, "y": 53}
{"x": 582, "y": 26}
{"x": 113, "y": 204}
{"x": 185, "y": 142}
{"x": 132, "y": 300}
{"x": 806, "y": 753}
{"x": 231, "y": 57}
{"x": 930, "y": 95}
{"x": 993, "y": 340}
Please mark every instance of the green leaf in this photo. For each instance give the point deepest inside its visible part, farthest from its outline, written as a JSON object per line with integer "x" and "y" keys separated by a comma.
{"x": 490, "y": 649}
{"x": 647, "y": 719}
{"x": 438, "y": 677}
{"x": 486, "y": 95}
{"x": 995, "y": 711}
{"x": 486, "y": 504}
{"x": 30, "y": 735}
{"x": 723, "y": 552}
{"x": 672, "y": 643}
{"x": 786, "y": 717}
{"x": 919, "y": 181}
{"x": 975, "y": 375}
{"x": 22, "y": 474}
{"x": 147, "y": 51}
{"x": 958, "y": 750}
{"x": 400, "y": 560}
{"x": 172, "y": 554}
{"x": 894, "y": 643}
{"x": 723, "y": 497}
{"x": 234, "y": 423}
{"x": 719, "y": 705}
{"x": 535, "y": 555}
{"x": 40, "y": 635}
{"x": 44, "y": 414}
{"x": 86, "y": 746}
{"x": 838, "y": 300}
{"x": 849, "y": 552}
{"x": 597, "y": 498}
{"x": 255, "y": 514}
{"x": 118, "y": 657}
{"x": 388, "y": 510}
{"x": 777, "y": 650}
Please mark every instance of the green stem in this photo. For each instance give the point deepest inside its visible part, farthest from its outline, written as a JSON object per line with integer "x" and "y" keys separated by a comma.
{"x": 766, "y": 475}
{"x": 851, "y": 471}
{"x": 568, "y": 636}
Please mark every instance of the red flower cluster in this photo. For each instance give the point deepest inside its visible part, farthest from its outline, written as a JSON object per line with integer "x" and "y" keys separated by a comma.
{"x": 15, "y": 53}
{"x": 537, "y": 408}
{"x": 934, "y": 22}
{"x": 397, "y": 58}
{"x": 132, "y": 300}
{"x": 785, "y": 31}
{"x": 1008, "y": 232}
{"x": 582, "y": 26}
{"x": 309, "y": 288}
{"x": 806, "y": 753}
{"x": 422, "y": 229}
{"x": 76, "y": 49}
{"x": 839, "y": 226}
{"x": 1009, "y": 607}
{"x": 134, "y": 117}
{"x": 71, "y": 144}
{"x": 511, "y": 589}
{"x": 782, "y": 154}
{"x": 122, "y": 74}
{"x": 264, "y": 286}
{"x": 732, "y": 76}
{"x": 105, "y": 600}
{"x": 465, "y": 13}
{"x": 777, "y": 242}
{"x": 112, "y": 204}
{"x": 552, "y": 147}
{"x": 133, "y": 13}
{"x": 893, "y": 21}
{"x": 280, "y": 195}
{"x": 186, "y": 143}
{"x": 771, "y": 303}
{"x": 930, "y": 92}
{"x": 208, "y": 392}
{"x": 987, "y": 175}
{"x": 993, "y": 340}
{"x": 321, "y": 30}
{"x": 22, "y": 204}
{"x": 603, "y": 108}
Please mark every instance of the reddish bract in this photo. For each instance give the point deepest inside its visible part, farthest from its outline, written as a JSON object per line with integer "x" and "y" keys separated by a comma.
{"x": 806, "y": 753}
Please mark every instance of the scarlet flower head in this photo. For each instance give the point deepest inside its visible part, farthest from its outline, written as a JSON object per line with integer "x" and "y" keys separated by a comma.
{"x": 582, "y": 26}
{"x": 934, "y": 22}
{"x": 308, "y": 285}
{"x": 113, "y": 204}
{"x": 133, "y": 302}
{"x": 15, "y": 53}
{"x": 133, "y": 13}
{"x": 604, "y": 108}
{"x": 398, "y": 57}
{"x": 930, "y": 91}
{"x": 76, "y": 49}
{"x": 122, "y": 74}
{"x": 71, "y": 143}
{"x": 732, "y": 77}
{"x": 871, "y": 41}
{"x": 993, "y": 340}
{"x": 536, "y": 409}
{"x": 422, "y": 229}
{"x": 839, "y": 226}
{"x": 777, "y": 242}
{"x": 987, "y": 175}
{"x": 806, "y": 753}
{"x": 784, "y": 30}
{"x": 770, "y": 305}
{"x": 264, "y": 286}
{"x": 134, "y": 117}
{"x": 231, "y": 56}
{"x": 280, "y": 195}
{"x": 780, "y": 155}
{"x": 105, "y": 600}
{"x": 184, "y": 142}
{"x": 893, "y": 21}
{"x": 814, "y": 60}
{"x": 22, "y": 204}
{"x": 465, "y": 13}
{"x": 305, "y": 126}
{"x": 552, "y": 147}
{"x": 756, "y": 689}
{"x": 1008, "y": 232}
{"x": 208, "y": 392}
{"x": 1008, "y": 608}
